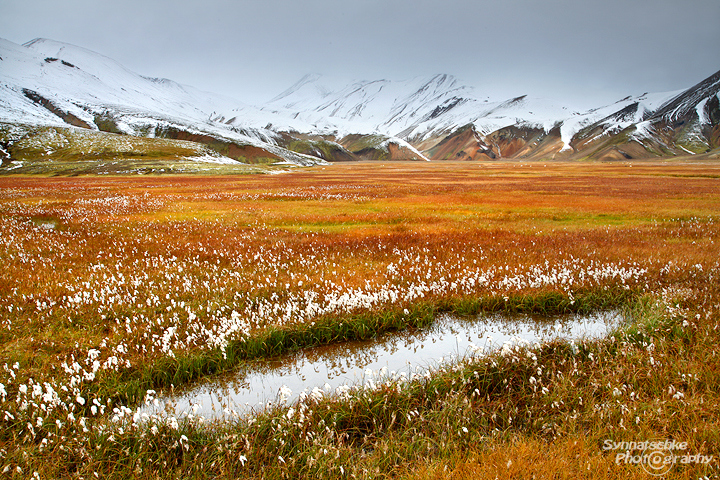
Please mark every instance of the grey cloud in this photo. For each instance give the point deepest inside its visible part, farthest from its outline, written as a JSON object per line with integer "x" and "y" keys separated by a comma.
{"x": 255, "y": 49}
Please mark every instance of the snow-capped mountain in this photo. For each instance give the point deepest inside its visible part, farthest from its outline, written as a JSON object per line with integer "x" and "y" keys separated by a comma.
{"x": 413, "y": 109}
{"x": 48, "y": 83}
{"x": 429, "y": 113}
{"x": 380, "y": 106}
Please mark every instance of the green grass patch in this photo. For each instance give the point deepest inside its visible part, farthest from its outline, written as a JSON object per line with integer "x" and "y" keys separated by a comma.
{"x": 67, "y": 151}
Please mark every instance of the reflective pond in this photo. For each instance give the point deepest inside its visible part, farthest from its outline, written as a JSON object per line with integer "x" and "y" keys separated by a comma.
{"x": 255, "y": 384}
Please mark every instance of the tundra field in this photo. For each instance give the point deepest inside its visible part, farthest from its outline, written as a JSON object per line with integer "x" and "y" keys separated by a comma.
{"x": 117, "y": 289}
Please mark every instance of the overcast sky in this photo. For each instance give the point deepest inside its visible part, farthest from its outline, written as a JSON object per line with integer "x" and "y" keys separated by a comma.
{"x": 254, "y": 49}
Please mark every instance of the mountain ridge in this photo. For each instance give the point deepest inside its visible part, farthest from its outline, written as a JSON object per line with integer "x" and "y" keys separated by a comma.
{"x": 320, "y": 119}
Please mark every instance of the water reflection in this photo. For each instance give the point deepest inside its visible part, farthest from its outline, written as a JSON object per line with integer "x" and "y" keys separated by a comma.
{"x": 328, "y": 367}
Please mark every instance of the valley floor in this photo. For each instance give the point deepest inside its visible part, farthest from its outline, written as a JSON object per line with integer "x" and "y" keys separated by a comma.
{"x": 114, "y": 289}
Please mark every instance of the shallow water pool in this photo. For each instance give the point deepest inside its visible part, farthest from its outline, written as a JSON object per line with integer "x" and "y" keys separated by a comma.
{"x": 285, "y": 378}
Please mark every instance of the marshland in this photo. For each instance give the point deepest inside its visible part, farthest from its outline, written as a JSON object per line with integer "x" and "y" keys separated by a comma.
{"x": 119, "y": 290}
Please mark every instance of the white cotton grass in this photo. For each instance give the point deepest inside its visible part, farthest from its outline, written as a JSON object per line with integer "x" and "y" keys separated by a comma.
{"x": 199, "y": 289}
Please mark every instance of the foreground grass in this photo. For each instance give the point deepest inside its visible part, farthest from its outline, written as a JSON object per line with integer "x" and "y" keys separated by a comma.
{"x": 112, "y": 287}
{"x": 481, "y": 418}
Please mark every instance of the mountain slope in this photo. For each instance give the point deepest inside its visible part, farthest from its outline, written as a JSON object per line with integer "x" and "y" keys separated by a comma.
{"x": 679, "y": 123}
